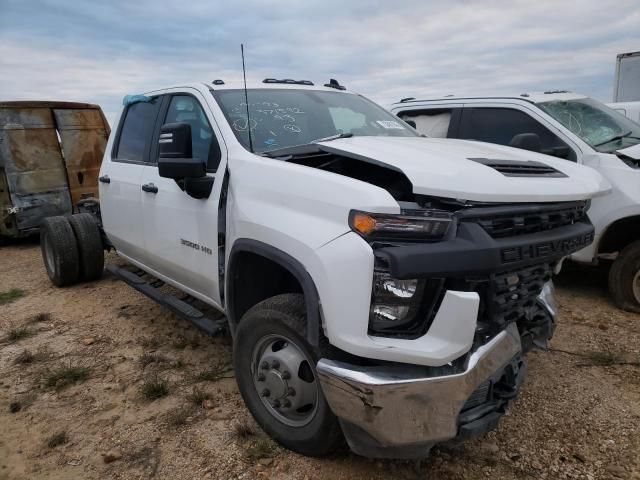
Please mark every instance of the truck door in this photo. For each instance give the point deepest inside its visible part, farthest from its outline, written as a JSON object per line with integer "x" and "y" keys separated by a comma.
{"x": 500, "y": 124}
{"x": 120, "y": 179}
{"x": 181, "y": 232}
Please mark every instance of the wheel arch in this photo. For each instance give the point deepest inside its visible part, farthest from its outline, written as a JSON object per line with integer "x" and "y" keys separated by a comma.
{"x": 619, "y": 233}
{"x": 274, "y": 260}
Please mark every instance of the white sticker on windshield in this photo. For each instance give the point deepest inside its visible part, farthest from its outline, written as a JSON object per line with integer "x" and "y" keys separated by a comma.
{"x": 390, "y": 124}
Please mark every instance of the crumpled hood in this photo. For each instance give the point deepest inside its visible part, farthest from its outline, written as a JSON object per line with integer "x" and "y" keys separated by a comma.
{"x": 441, "y": 167}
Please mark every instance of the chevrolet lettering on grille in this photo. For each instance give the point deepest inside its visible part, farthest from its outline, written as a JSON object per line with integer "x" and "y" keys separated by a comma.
{"x": 545, "y": 249}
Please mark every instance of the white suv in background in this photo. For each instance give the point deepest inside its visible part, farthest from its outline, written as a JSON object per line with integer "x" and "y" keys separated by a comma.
{"x": 569, "y": 126}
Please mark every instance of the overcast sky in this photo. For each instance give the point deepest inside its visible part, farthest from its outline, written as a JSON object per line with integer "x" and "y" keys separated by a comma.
{"x": 99, "y": 51}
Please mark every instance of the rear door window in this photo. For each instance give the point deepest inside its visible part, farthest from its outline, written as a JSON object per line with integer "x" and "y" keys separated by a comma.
{"x": 435, "y": 122}
{"x": 500, "y": 125}
{"x": 134, "y": 138}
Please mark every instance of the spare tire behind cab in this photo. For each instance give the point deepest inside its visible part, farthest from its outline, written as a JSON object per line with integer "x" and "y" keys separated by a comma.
{"x": 60, "y": 251}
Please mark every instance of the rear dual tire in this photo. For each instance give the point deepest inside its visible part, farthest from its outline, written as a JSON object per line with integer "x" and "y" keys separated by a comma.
{"x": 71, "y": 249}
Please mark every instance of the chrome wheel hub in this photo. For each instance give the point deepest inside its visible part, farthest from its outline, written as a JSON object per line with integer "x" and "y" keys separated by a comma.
{"x": 636, "y": 286}
{"x": 284, "y": 379}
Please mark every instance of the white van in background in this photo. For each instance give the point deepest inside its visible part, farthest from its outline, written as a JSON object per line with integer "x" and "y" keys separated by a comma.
{"x": 628, "y": 109}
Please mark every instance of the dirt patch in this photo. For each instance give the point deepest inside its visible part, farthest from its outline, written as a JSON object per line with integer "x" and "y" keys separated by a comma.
{"x": 577, "y": 417}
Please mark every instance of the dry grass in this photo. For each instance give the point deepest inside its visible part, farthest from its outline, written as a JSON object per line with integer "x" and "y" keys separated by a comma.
{"x": 16, "y": 334}
{"x": 244, "y": 430}
{"x": 152, "y": 358}
{"x": 178, "y": 416}
{"x": 261, "y": 447}
{"x": 149, "y": 342}
{"x": 212, "y": 374}
{"x": 39, "y": 318}
{"x": 197, "y": 396}
{"x": 57, "y": 439}
{"x": 11, "y": 295}
{"x": 154, "y": 388}
{"x": 64, "y": 376}
{"x": 22, "y": 402}
{"x": 25, "y": 357}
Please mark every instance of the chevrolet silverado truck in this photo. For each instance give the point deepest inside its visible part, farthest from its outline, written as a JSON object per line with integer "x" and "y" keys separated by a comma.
{"x": 379, "y": 287}
{"x": 576, "y": 129}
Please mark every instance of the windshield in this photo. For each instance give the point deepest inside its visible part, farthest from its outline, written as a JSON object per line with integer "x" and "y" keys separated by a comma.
{"x": 281, "y": 118}
{"x": 600, "y": 126}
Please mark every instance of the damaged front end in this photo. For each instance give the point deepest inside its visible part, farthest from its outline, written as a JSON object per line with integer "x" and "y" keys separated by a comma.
{"x": 503, "y": 254}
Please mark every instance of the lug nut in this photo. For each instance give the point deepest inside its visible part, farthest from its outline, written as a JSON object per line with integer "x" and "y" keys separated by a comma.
{"x": 264, "y": 365}
{"x": 275, "y": 364}
{"x": 261, "y": 377}
{"x": 286, "y": 375}
{"x": 291, "y": 392}
{"x": 286, "y": 403}
{"x": 265, "y": 392}
{"x": 276, "y": 403}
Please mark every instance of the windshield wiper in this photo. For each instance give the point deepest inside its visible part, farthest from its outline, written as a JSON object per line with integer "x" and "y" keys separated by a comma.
{"x": 332, "y": 137}
{"x": 304, "y": 149}
{"x": 613, "y": 139}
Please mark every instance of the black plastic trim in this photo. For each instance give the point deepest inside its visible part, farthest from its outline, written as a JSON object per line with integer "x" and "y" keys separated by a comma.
{"x": 222, "y": 234}
{"x": 473, "y": 251}
{"x": 309, "y": 290}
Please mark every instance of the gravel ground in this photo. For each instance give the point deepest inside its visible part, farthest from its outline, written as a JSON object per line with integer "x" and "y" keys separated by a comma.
{"x": 80, "y": 367}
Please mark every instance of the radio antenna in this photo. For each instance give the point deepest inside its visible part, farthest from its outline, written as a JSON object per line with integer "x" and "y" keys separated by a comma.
{"x": 246, "y": 99}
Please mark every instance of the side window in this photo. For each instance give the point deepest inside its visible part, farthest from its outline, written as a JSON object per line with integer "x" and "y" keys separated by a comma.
{"x": 135, "y": 134}
{"x": 434, "y": 123}
{"x": 500, "y": 125}
{"x": 186, "y": 109}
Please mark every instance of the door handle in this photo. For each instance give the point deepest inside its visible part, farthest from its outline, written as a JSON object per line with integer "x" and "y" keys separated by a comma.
{"x": 149, "y": 187}
{"x": 104, "y": 179}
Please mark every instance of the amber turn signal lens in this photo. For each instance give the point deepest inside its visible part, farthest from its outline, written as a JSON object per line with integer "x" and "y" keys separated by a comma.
{"x": 363, "y": 223}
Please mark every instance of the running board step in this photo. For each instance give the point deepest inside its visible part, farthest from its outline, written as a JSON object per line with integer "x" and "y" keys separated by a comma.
{"x": 179, "y": 307}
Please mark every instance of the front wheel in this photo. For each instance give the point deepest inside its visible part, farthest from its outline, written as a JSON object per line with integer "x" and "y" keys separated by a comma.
{"x": 276, "y": 375}
{"x": 624, "y": 278}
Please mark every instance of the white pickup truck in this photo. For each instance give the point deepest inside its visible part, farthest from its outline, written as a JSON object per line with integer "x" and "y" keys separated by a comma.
{"x": 379, "y": 286}
{"x": 576, "y": 129}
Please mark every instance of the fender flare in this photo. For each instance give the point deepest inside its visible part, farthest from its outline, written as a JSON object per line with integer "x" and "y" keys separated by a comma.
{"x": 312, "y": 300}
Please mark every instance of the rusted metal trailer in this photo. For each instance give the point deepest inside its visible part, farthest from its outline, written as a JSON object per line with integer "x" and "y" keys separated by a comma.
{"x": 50, "y": 155}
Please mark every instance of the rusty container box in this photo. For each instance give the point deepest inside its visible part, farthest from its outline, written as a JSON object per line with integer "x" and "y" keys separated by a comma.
{"x": 50, "y": 156}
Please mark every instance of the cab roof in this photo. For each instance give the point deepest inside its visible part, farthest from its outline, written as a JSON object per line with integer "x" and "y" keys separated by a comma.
{"x": 533, "y": 97}
{"x": 278, "y": 84}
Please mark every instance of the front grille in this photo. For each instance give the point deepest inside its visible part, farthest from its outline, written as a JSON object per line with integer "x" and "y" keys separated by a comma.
{"x": 507, "y": 297}
{"x": 513, "y": 295}
{"x": 502, "y": 222}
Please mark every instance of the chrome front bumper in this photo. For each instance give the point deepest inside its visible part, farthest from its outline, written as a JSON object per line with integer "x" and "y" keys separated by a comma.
{"x": 391, "y": 412}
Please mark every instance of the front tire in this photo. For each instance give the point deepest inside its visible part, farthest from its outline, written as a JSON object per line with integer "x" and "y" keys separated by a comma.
{"x": 624, "y": 278}
{"x": 59, "y": 251}
{"x": 276, "y": 375}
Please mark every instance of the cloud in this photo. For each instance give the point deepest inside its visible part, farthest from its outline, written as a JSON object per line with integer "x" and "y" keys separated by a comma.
{"x": 100, "y": 51}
